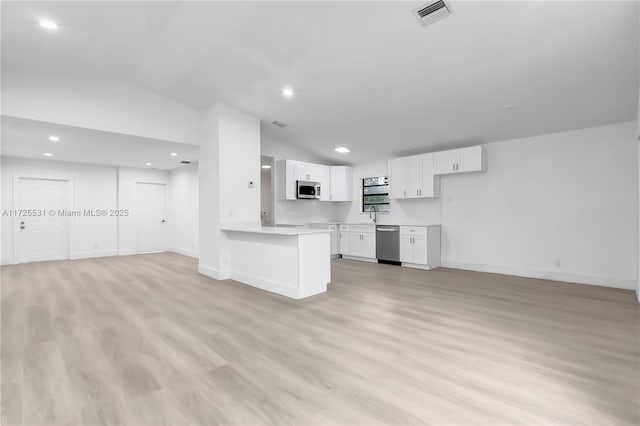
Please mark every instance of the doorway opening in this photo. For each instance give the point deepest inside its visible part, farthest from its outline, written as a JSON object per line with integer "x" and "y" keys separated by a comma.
{"x": 266, "y": 190}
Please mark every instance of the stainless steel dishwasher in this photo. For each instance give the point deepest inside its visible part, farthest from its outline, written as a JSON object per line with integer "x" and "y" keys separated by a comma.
{"x": 388, "y": 244}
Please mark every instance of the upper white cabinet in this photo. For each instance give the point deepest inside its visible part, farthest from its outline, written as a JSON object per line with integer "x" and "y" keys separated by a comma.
{"x": 413, "y": 177}
{"x": 291, "y": 171}
{"x": 341, "y": 183}
{"x": 461, "y": 160}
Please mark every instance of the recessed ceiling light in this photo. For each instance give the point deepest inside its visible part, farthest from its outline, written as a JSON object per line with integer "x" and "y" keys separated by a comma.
{"x": 174, "y": 154}
{"x": 266, "y": 166}
{"x": 342, "y": 149}
{"x": 149, "y": 164}
{"x": 287, "y": 92}
{"x": 48, "y": 24}
{"x": 54, "y": 138}
{"x": 48, "y": 154}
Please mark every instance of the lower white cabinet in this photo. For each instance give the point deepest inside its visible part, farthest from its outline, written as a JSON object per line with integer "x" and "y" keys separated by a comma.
{"x": 358, "y": 241}
{"x": 420, "y": 246}
{"x": 343, "y": 239}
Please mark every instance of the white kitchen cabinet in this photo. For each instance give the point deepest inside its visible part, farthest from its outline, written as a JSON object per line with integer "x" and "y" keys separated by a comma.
{"x": 412, "y": 177}
{"x": 470, "y": 159}
{"x": 355, "y": 244}
{"x": 291, "y": 171}
{"x": 420, "y": 246}
{"x": 344, "y": 234}
{"x": 358, "y": 241}
{"x": 341, "y": 186}
{"x": 369, "y": 245}
{"x": 445, "y": 161}
{"x": 430, "y": 183}
{"x": 286, "y": 179}
{"x": 315, "y": 173}
{"x": 398, "y": 170}
{"x": 461, "y": 160}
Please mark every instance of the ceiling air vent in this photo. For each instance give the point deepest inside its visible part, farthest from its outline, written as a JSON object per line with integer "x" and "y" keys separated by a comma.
{"x": 185, "y": 162}
{"x": 432, "y": 12}
{"x": 279, "y": 124}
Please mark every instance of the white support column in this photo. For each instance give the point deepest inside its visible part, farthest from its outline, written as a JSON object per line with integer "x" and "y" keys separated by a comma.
{"x": 229, "y": 183}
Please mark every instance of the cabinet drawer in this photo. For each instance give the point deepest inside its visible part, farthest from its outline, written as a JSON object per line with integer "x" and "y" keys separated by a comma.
{"x": 363, "y": 228}
{"x": 414, "y": 230}
{"x": 344, "y": 228}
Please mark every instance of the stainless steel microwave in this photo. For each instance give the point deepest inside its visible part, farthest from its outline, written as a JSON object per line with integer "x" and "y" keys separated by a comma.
{"x": 307, "y": 190}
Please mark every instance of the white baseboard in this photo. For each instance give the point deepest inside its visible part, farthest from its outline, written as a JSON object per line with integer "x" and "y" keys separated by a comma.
{"x": 126, "y": 252}
{"x": 542, "y": 274}
{"x": 360, "y": 259}
{"x": 638, "y": 294}
{"x": 184, "y": 252}
{"x": 268, "y": 285}
{"x": 9, "y": 261}
{"x": 418, "y": 266}
{"x": 209, "y": 272}
{"x": 92, "y": 254}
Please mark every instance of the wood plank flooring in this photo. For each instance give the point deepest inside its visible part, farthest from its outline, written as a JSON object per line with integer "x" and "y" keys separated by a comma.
{"x": 145, "y": 340}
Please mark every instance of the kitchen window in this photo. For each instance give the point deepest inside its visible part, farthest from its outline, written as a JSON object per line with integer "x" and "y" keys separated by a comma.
{"x": 375, "y": 194}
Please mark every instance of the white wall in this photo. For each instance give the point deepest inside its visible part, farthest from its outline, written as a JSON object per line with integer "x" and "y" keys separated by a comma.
{"x": 182, "y": 218}
{"x": 127, "y": 179}
{"x": 94, "y": 187}
{"x": 239, "y": 165}
{"x": 97, "y": 104}
{"x": 402, "y": 212}
{"x": 560, "y": 206}
{"x": 105, "y": 187}
{"x": 299, "y": 212}
{"x": 229, "y": 160}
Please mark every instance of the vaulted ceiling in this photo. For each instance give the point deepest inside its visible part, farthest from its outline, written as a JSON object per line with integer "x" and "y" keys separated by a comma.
{"x": 366, "y": 75}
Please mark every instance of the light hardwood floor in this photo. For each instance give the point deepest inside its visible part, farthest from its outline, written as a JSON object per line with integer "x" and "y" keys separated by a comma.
{"x": 145, "y": 340}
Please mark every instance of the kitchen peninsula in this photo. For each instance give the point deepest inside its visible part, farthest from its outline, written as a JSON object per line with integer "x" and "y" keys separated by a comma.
{"x": 288, "y": 261}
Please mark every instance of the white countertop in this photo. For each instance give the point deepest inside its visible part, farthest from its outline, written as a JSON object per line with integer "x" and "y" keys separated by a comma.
{"x": 273, "y": 231}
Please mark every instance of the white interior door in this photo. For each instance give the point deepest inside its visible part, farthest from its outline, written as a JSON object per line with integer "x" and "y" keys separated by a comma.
{"x": 43, "y": 233}
{"x": 150, "y": 211}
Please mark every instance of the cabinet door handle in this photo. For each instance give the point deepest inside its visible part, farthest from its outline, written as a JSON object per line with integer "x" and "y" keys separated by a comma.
{"x": 405, "y": 192}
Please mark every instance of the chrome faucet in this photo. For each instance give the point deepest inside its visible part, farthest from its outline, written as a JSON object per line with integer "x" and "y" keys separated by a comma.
{"x": 374, "y": 209}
